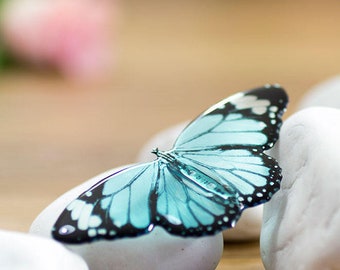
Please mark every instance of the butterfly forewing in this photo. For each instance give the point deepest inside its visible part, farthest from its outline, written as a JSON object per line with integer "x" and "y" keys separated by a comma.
{"x": 251, "y": 119}
{"x": 121, "y": 205}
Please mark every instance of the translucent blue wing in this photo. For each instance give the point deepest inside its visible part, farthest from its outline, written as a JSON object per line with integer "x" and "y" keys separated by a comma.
{"x": 216, "y": 169}
{"x": 119, "y": 205}
{"x": 245, "y": 120}
{"x": 251, "y": 174}
{"x": 191, "y": 203}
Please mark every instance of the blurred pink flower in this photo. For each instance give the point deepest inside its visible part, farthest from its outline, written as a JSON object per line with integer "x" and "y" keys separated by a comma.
{"x": 72, "y": 36}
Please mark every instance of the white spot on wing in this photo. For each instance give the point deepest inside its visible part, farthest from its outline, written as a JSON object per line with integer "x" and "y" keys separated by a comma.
{"x": 173, "y": 220}
{"x": 257, "y": 106}
{"x": 92, "y": 233}
{"x": 76, "y": 208}
{"x": 102, "y": 231}
{"x": 84, "y": 217}
{"x": 273, "y": 108}
{"x": 67, "y": 229}
{"x": 94, "y": 221}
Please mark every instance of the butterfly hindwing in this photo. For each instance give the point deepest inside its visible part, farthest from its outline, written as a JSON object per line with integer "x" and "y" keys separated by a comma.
{"x": 186, "y": 207}
{"x": 253, "y": 175}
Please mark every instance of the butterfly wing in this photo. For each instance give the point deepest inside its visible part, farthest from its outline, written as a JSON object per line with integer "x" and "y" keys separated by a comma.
{"x": 191, "y": 203}
{"x": 133, "y": 201}
{"x": 119, "y": 205}
{"x": 245, "y": 120}
{"x": 228, "y": 140}
{"x": 253, "y": 175}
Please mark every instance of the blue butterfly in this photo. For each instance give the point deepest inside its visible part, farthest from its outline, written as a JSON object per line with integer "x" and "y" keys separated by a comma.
{"x": 216, "y": 169}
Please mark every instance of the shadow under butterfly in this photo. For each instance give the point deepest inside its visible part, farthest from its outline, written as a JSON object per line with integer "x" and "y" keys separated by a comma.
{"x": 216, "y": 169}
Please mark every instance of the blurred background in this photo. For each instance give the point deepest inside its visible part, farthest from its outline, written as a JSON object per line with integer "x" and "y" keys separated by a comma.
{"x": 84, "y": 84}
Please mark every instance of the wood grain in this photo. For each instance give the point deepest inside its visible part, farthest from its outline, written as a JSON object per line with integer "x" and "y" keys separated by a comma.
{"x": 173, "y": 61}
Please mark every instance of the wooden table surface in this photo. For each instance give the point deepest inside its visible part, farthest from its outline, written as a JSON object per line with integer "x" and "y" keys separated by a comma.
{"x": 173, "y": 61}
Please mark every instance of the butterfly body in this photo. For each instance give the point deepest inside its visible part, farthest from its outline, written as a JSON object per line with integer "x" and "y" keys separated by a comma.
{"x": 216, "y": 169}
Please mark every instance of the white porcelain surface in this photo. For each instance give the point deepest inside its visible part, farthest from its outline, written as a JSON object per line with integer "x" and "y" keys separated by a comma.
{"x": 301, "y": 228}
{"x": 326, "y": 94}
{"x": 19, "y": 251}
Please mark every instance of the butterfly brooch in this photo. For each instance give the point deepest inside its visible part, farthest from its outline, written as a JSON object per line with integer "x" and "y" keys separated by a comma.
{"x": 216, "y": 169}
